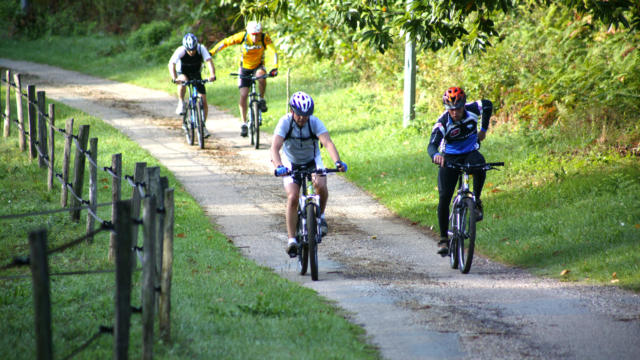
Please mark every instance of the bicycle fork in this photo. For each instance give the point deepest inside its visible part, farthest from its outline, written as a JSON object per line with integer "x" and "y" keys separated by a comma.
{"x": 314, "y": 201}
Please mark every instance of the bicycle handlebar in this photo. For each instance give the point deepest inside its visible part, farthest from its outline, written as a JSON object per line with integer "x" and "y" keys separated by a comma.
{"x": 308, "y": 171}
{"x": 251, "y": 77}
{"x": 471, "y": 167}
{"x": 190, "y": 82}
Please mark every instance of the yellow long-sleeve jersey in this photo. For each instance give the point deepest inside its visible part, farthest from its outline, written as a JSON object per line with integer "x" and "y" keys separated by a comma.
{"x": 251, "y": 54}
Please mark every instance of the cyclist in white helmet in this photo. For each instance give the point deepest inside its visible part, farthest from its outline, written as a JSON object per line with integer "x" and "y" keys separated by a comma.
{"x": 186, "y": 64}
{"x": 299, "y": 132}
{"x": 254, "y": 43}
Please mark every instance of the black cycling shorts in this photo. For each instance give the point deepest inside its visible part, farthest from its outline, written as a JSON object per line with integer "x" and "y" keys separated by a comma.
{"x": 247, "y": 72}
{"x": 196, "y": 76}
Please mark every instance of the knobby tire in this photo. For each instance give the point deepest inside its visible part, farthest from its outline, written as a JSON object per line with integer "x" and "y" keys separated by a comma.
{"x": 189, "y": 120}
{"x": 256, "y": 125}
{"x": 453, "y": 239}
{"x": 254, "y": 121}
{"x": 467, "y": 238}
{"x": 312, "y": 231}
{"x": 303, "y": 249}
{"x": 200, "y": 123}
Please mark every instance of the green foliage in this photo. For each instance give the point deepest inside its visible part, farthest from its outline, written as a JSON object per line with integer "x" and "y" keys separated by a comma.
{"x": 151, "y": 40}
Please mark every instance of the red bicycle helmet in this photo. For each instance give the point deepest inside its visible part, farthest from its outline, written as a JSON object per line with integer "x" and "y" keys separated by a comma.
{"x": 454, "y": 98}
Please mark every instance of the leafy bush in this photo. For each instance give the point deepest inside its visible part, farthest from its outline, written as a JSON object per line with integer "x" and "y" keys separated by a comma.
{"x": 150, "y": 35}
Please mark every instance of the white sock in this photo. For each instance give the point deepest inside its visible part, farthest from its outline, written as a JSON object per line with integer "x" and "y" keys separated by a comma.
{"x": 292, "y": 240}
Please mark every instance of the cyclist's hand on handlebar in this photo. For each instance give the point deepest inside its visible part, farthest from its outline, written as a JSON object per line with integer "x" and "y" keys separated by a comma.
{"x": 273, "y": 72}
{"x": 438, "y": 159}
{"x": 481, "y": 135}
{"x": 341, "y": 166}
{"x": 280, "y": 171}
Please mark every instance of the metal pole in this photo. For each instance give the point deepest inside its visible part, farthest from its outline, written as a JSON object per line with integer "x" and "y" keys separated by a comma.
{"x": 409, "y": 78}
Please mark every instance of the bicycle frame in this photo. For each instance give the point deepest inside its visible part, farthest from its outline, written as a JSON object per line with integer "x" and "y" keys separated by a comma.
{"x": 308, "y": 204}
{"x": 193, "y": 121}
{"x": 253, "y": 108}
{"x": 308, "y": 197}
{"x": 462, "y": 220}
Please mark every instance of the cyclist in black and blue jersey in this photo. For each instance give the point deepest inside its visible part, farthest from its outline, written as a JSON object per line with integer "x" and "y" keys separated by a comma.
{"x": 455, "y": 138}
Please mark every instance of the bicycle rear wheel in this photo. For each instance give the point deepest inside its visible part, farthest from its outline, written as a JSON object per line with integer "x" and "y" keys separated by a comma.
{"x": 467, "y": 234}
{"x": 312, "y": 231}
{"x": 188, "y": 121}
{"x": 303, "y": 248}
{"x": 200, "y": 123}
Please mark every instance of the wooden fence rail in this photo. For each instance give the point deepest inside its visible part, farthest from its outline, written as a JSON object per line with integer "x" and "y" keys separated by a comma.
{"x": 150, "y": 192}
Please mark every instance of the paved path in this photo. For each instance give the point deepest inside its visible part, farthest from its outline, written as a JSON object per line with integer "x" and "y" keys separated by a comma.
{"x": 373, "y": 264}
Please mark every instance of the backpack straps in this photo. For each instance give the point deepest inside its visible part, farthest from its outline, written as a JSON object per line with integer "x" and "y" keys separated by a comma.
{"x": 244, "y": 39}
{"x": 312, "y": 136}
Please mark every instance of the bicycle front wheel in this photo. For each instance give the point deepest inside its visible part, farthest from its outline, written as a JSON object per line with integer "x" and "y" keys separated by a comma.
{"x": 303, "y": 248}
{"x": 200, "y": 123}
{"x": 312, "y": 232}
{"x": 453, "y": 235}
{"x": 188, "y": 124}
{"x": 257, "y": 126}
{"x": 467, "y": 235}
{"x": 253, "y": 122}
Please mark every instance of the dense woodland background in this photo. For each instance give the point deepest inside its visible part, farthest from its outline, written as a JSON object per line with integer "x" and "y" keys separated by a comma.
{"x": 570, "y": 64}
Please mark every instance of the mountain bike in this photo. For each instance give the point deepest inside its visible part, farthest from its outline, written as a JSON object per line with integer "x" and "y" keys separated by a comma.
{"x": 462, "y": 218}
{"x": 193, "y": 117}
{"x": 308, "y": 234}
{"x": 254, "y": 112}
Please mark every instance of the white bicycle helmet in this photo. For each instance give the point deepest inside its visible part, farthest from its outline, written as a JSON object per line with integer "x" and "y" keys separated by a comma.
{"x": 190, "y": 41}
{"x": 301, "y": 104}
{"x": 254, "y": 27}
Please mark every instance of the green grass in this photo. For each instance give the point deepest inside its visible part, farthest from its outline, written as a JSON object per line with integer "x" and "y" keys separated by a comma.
{"x": 223, "y": 305}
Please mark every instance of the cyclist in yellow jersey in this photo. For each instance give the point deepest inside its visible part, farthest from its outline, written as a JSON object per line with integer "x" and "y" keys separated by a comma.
{"x": 254, "y": 43}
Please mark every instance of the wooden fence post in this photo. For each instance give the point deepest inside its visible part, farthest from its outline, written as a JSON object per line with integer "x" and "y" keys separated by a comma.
{"x": 93, "y": 186}
{"x": 164, "y": 303}
{"x": 52, "y": 147}
{"x": 116, "y": 168}
{"x": 78, "y": 179}
{"x": 66, "y": 159}
{"x": 122, "y": 321}
{"x": 17, "y": 78}
{"x": 148, "y": 276}
{"x": 154, "y": 189}
{"x": 42, "y": 130}
{"x": 31, "y": 112}
{"x": 41, "y": 293}
{"x": 7, "y": 111}
{"x": 138, "y": 177}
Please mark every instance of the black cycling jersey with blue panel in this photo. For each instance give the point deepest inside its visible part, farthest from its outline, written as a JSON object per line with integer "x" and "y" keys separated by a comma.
{"x": 460, "y": 137}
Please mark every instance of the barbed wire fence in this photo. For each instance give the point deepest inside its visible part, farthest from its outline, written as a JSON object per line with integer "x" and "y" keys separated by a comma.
{"x": 150, "y": 192}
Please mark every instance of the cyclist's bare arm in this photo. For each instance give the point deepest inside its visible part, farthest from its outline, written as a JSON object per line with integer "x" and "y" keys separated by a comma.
{"x": 326, "y": 141}
{"x": 276, "y": 145}
{"x": 172, "y": 71}
{"x": 212, "y": 70}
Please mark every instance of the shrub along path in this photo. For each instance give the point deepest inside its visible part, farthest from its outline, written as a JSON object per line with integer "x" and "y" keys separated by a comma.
{"x": 373, "y": 264}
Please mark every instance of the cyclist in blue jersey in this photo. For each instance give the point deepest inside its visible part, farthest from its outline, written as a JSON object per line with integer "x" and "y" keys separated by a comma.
{"x": 455, "y": 138}
{"x": 299, "y": 133}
